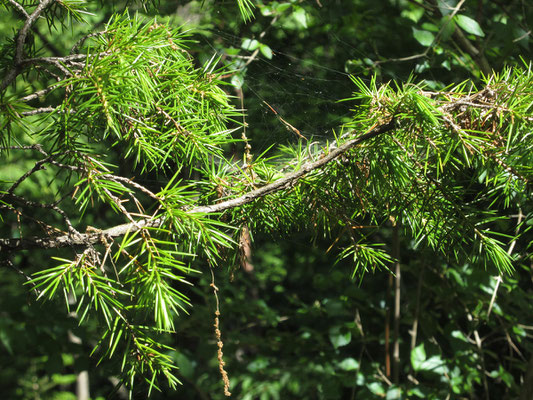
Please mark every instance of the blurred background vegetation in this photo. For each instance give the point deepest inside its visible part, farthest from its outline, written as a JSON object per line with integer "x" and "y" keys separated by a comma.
{"x": 295, "y": 325}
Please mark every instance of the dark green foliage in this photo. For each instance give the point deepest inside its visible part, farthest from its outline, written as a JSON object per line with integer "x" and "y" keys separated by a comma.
{"x": 117, "y": 115}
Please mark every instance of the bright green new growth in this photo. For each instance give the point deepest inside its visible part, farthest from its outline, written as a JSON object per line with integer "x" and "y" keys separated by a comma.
{"x": 454, "y": 154}
{"x": 139, "y": 88}
{"x": 440, "y": 164}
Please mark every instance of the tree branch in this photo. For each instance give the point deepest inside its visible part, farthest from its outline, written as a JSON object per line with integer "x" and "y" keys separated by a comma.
{"x": 56, "y": 60}
{"x": 21, "y": 40}
{"x": 119, "y": 230}
{"x": 39, "y": 93}
{"x": 19, "y": 8}
{"x": 472, "y": 51}
{"x": 33, "y": 204}
{"x": 40, "y": 110}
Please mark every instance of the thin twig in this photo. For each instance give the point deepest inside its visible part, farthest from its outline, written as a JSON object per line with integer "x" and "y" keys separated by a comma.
{"x": 414, "y": 329}
{"x": 261, "y": 35}
{"x": 40, "y": 110}
{"x": 19, "y": 8}
{"x": 479, "y": 345}
{"x": 38, "y": 166}
{"x": 49, "y": 157}
{"x": 428, "y": 48}
{"x": 21, "y": 40}
{"x": 130, "y": 182}
{"x": 26, "y": 276}
{"x": 83, "y": 39}
{"x": 39, "y": 93}
{"x": 73, "y": 233}
{"x": 55, "y": 60}
{"x": 30, "y": 20}
{"x": 29, "y": 147}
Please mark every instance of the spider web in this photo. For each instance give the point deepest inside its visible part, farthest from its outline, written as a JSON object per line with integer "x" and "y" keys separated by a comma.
{"x": 289, "y": 94}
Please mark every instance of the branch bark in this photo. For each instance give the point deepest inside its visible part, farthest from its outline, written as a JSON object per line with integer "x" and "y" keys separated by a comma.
{"x": 10, "y": 244}
{"x": 21, "y": 40}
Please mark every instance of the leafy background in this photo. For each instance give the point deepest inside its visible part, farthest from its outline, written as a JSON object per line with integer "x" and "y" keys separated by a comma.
{"x": 299, "y": 325}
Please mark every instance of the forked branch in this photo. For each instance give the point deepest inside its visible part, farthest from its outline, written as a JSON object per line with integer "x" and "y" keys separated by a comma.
{"x": 286, "y": 182}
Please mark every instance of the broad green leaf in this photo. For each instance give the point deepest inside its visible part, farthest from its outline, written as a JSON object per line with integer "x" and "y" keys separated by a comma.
{"x": 459, "y": 335}
{"x": 64, "y": 379}
{"x": 413, "y": 14}
{"x": 250, "y": 44}
{"x": 300, "y": 16}
{"x": 420, "y": 362}
{"x": 469, "y": 25}
{"x": 377, "y": 389}
{"x": 434, "y": 364}
{"x": 349, "y": 364}
{"x": 339, "y": 337}
{"x": 281, "y": 7}
{"x": 266, "y": 51}
{"x": 394, "y": 393}
{"x": 518, "y": 330}
{"x": 258, "y": 364}
{"x": 266, "y": 11}
{"x": 416, "y": 392}
{"x": 425, "y": 38}
{"x": 418, "y": 356}
{"x": 237, "y": 81}
{"x": 428, "y": 26}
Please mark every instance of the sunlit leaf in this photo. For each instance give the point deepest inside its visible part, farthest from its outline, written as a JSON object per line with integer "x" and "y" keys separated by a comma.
{"x": 469, "y": 25}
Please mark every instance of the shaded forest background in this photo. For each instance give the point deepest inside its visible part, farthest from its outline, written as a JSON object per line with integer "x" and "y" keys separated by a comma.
{"x": 296, "y": 322}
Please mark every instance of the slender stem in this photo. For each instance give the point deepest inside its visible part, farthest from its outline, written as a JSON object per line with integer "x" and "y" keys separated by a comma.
{"x": 19, "y": 8}
{"x": 397, "y": 293}
{"x": 54, "y": 60}
{"x": 35, "y": 111}
{"x": 414, "y": 329}
{"x": 21, "y": 40}
{"x": 39, "y": 93}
